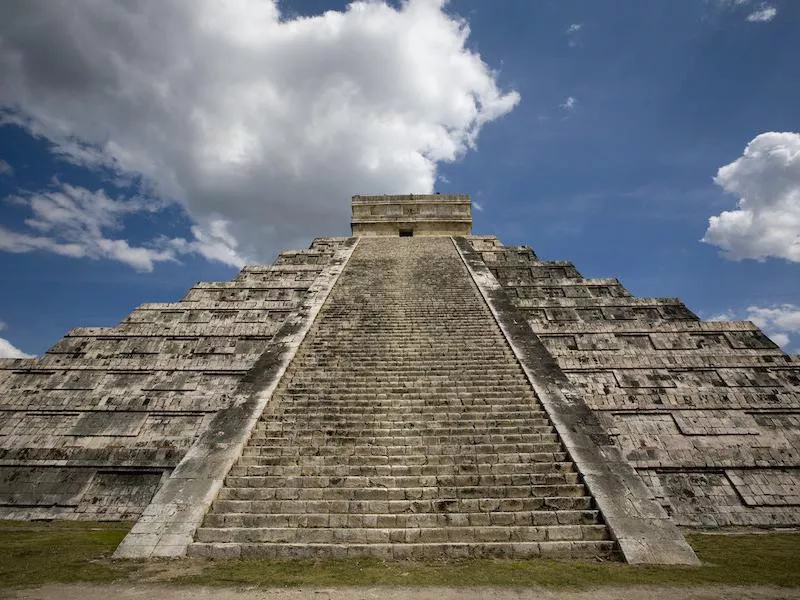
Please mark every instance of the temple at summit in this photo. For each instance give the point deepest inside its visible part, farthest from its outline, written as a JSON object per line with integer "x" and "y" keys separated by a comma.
{"x": 411, "y": 391}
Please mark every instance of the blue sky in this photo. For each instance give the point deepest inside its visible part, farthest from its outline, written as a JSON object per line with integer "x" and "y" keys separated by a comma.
{"x": 145, "y": 148}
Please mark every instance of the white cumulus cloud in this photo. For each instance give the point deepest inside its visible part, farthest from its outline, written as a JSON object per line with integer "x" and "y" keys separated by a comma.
{"x": 260, "y": 125}
{"x": 766, "y": 222}
{"x": 8, "y": 350}
{"x": 569, "y": 103}
{"x": 5, "y": 168}
{"x": 762, "y": 14}
{"x": 573, "y": 32}
{"x": 76, "y": 222}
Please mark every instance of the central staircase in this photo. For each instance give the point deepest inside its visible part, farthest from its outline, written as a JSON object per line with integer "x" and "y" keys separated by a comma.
{"x": 404, "y": 428}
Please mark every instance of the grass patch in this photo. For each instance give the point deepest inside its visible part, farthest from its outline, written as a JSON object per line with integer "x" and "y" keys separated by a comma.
{"x": 34, "y": 554}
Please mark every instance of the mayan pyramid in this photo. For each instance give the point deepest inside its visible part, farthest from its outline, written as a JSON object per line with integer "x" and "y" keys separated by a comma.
{"x": 412, "y": 391}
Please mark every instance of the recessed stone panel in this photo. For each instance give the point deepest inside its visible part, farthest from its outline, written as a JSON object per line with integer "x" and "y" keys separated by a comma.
{"x": 69, "y": 345}
{"x": 634, "y": 342}
{"x": 45, "y": 423}
{"x": 644, "y": 378}
{"x": 754, "y": 340}
{"x": 677, "y": 312}
{"x": 170, "y": 426}
{"x": 597, "y": 341}
{"x": 590, "y": 314}
{"x": 21, "y": 381}
{"x": 697, "y": 379}
{"x": 749, "y": 377}
{"x": 561, "y": 314}
{"x": 706, "y": 499}
{"x": 216, "y": 345}
{"x": 75, "y": 380}
{"x": 176, "y": 380}
{"x": 715, "y": 422}
{"x": 560, "y": 342}
{"x": 126, "y": 380}
{"x": 117, "y": 424}
{"x": 23, "y": 486}
{"x": 767, "y": 487}
{"x": 117, "y": 495}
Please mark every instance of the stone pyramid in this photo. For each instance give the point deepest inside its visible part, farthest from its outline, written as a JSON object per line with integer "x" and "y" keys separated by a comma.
{"x": 412, "y": 391}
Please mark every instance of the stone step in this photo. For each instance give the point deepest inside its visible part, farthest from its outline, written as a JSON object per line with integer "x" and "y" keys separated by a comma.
{"x": 342, "y": 470}
{"x": 334, "y": 336}
{"x": 399, "y": 392}
{"x": 374, "y": 340}
{"x": 447, "y": 356}
{"x": 420, "y": 335}
{"x": 379, "y": 338}
{"x": 408, "y": 459}
{"x": 404, "y": 520}
{"x": 426, "y": 338}
{"x": 414, "y": 318}
{"x": 374, "y": 507}
{"x": 438, "y": 420}
{"x": 353, "y": 450}
{"x": 366, "y": 436}
{"x": 514, "y": 411}
{"x": 428, "y": 389}
{"x": 269, "y": 427}
{"x": 409, "y": 493}
{"x": 404, "y": 428}
{"x": 415, "y": 535}
{"x": 392, "y": 365}
{"x": 455, "y": 382}
{"x": 377, "y": 403}
{"x": 399, "y": 481}
{"x": 411, "y": 439}
{"x": 406, "y": 318}
{"x": 415, "y": 551}
{"x": 411, "y": 359}
{"x": 314, "y": 389}
{"x": 414, "y": 360}
{"x": 311, "y": 390}
{"x": 374, "y": 402}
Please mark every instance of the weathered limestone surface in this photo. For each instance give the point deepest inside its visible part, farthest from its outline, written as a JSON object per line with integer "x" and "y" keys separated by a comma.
{"x": 639, "y": 525}
{"x": 404, "y": 427}
{"x": 92, "y": 428}
{"x": 168, "y": 524}
{"x": 364, "y": 396}
{"x": 434, "y": 214}
{"x": 707, "y": 412}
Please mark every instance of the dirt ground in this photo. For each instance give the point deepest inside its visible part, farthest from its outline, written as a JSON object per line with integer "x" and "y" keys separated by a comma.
{"x": 163, "y": 592}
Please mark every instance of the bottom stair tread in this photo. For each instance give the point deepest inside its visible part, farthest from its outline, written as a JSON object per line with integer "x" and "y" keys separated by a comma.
{"x": 375, "y": 535}
{"x": 569, "y": 549}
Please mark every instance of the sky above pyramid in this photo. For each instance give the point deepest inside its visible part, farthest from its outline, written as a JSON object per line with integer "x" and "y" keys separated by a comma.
{"x": 148, "y": 145}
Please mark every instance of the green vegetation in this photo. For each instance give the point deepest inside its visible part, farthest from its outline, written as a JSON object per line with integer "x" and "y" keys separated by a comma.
{"x": 64, "y": 551}
{"x": 38, "y": 553}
